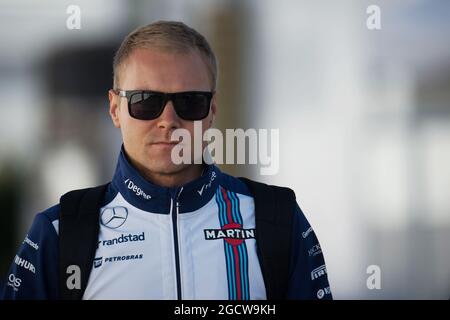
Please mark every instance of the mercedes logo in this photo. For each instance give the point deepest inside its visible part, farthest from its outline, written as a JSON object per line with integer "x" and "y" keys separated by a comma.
{"x": 114, "y": 217}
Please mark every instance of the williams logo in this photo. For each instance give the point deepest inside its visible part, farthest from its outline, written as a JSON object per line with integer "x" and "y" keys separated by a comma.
{"x": 114, "y": 217}
{"x": 232, "y": 233}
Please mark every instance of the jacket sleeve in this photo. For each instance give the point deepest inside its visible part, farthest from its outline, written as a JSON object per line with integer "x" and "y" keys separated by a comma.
{"x": 34, "y": 271}
{"x": 307, "y": 272}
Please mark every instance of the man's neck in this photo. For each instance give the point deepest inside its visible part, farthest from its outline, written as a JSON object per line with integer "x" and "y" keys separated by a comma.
{"x": 172, "y": 179}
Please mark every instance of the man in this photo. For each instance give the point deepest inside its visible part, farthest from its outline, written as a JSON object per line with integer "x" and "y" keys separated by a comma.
{"x": 168, "y": 231}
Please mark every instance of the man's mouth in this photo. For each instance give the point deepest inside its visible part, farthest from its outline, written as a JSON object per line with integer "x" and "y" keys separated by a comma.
{"x": 164, "y": 144}
{"x": 172, "y": 143}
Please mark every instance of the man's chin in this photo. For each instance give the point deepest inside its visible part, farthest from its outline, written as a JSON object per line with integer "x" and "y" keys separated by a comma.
{"x": 161, "y": 163}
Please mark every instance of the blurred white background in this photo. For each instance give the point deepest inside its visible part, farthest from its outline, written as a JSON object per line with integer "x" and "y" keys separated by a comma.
{"x": 364, "y": 119}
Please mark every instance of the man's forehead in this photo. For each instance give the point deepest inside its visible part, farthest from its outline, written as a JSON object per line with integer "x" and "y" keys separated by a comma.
{"x": 149, "y": 67}
{"x": 159, "y": 54}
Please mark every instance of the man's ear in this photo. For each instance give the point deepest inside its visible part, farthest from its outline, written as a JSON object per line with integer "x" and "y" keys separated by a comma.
{"x": 114, "y": 104}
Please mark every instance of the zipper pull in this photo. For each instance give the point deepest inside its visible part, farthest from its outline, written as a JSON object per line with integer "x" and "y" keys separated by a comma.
{"x": 178, "y": 195}
{"x": 177, "y": 204}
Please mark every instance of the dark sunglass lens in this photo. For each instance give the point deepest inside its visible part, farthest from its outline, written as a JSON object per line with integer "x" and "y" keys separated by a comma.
{"x": 145, "y": 106}
{"x": 192, "y": 106}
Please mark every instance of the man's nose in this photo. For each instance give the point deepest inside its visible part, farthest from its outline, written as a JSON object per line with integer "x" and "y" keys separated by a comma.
{"x": 168, "y": 118}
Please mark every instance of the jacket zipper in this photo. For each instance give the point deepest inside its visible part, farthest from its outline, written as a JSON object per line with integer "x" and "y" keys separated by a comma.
{"x": 174, "y": 211}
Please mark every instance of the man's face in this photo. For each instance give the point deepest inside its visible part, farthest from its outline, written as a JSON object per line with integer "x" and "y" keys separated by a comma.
{"x": 147, "y": 142}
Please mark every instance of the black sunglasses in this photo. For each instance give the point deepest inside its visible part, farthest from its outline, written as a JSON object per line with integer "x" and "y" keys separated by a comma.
{"x": 149, "y": 105}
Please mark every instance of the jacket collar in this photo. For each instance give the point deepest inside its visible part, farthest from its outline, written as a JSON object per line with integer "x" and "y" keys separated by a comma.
{"x": 148, "y": 196}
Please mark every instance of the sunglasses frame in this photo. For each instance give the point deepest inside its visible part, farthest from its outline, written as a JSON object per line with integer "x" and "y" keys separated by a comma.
{"x": 166, "y": 98}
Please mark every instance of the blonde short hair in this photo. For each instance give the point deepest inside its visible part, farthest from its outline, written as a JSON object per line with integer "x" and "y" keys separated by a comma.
{"x": 170, "y": 36}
